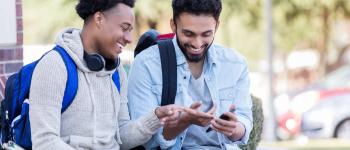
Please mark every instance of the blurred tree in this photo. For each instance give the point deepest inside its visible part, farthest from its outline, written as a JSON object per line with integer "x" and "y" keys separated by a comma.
{"x": 297, "y": 23}
{"x": 241, "y": 28}
{"x": 43, "y": 20}
{"x": 152, "y": 14}
{"x": 312, "y": 21}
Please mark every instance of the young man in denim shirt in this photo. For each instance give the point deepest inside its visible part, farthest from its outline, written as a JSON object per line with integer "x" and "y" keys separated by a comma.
{"x": 211, "y": 80}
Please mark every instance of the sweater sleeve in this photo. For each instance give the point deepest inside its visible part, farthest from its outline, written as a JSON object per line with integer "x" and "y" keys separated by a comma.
{"x": 46, "y": 94}
{"x": 136, "y": 132}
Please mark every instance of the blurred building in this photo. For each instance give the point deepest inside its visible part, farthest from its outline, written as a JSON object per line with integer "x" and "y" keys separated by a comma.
{"x": 11, "y": 40}
{"x": 302, "y": 68}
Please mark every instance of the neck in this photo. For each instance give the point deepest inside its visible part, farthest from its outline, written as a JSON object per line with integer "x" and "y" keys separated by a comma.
{"x": 88, "y": 41}
{"x": 196, "y": 68}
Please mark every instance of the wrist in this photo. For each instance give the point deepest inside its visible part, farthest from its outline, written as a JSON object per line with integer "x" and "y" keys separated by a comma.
{"x": 185, "y": 119}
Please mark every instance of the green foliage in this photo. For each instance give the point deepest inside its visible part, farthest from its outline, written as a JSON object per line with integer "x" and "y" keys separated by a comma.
{"x": 43, "y": 20}
{"x": 296, "y": 22}
{"x": 258, "y": 119}
{"x": 303, "y": 21}
{"x": 152, "y": 14}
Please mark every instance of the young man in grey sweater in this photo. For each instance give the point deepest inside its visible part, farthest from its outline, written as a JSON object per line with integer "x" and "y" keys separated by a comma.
{"x": 98, "y": 117}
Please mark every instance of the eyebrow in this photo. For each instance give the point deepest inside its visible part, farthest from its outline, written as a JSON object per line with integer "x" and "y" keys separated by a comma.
{"x": 205, "y": 32}
{"x": 128, "y": 24}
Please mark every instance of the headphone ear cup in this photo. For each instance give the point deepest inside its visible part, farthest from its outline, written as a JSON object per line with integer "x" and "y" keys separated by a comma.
{"x": 112, "y": 63}
{"x": 94, "y": 62}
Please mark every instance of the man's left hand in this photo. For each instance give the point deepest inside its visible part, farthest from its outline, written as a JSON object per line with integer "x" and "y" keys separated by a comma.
{"x": 232, "y": 128}
{"x": 169, "y": 114}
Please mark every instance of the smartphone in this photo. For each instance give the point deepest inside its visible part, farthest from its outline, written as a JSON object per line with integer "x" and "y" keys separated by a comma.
{"x": 223, "y": 117}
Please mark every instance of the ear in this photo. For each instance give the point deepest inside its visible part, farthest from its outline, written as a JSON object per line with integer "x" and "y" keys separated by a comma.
{"x": 172, "y": 25}
{"x": 98, "y": 19}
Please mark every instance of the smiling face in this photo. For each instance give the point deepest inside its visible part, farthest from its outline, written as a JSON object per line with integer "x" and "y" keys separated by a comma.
{"x": 195, "y": 33}
{"x": 114, "y": 30}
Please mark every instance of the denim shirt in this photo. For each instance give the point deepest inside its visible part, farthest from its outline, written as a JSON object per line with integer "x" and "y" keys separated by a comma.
{"x": 226, "y": 75}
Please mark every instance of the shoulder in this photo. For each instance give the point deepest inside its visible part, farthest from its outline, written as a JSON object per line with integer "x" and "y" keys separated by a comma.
{"x": 51, "y": 61}
{"x": 149, "y": 54}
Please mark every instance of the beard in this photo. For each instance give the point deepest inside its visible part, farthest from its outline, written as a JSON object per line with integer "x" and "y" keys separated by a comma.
{"x": 192, "y": 57}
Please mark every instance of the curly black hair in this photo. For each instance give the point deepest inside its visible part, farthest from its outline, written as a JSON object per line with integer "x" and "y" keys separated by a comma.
{"x": 197, "y": 7}
{"x": 86, "y": 8}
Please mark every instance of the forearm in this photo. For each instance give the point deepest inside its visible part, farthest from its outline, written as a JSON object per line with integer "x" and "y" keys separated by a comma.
{"x": 138, "y": 132}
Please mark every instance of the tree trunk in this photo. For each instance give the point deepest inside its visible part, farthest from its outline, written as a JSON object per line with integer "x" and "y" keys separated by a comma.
{"x": 339, "y": 62}
{"x": 323, "y": 43}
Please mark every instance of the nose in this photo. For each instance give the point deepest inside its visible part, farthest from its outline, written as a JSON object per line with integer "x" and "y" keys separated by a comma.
{"x": 197, "y": 43}
{"x": 127, "y": 37}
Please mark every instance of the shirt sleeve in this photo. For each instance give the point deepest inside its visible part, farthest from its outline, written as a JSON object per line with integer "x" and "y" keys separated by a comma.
{"x": 243, "y": 106}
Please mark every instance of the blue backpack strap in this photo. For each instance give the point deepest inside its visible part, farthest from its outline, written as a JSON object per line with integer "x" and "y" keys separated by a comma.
{"x": 72, "y": 78}
{"x": 116, "y": 81}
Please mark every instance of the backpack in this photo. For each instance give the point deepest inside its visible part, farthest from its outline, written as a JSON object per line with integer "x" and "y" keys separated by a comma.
{"x": 167, "y": 58}
{"x": 15, "y": 125}
{"x": 168, "y": 63}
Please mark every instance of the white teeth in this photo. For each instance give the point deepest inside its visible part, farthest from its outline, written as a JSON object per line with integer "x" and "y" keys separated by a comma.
{"x": 196, "y": 50}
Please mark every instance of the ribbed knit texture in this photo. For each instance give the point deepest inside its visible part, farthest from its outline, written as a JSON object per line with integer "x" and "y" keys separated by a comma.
{"x": 98, "y": 118}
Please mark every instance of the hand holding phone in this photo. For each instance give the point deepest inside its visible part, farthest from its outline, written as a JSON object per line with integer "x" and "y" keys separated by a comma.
{"x": 223, "y": 117}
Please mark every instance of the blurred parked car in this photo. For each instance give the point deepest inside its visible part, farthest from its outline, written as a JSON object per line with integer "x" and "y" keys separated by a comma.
{"x": 290, "y": 107}
{"x": 329, "y": 118}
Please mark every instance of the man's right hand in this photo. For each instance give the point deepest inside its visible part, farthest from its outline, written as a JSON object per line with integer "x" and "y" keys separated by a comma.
{"x": 187, "y": 117}
{"x": 194, "y": 115}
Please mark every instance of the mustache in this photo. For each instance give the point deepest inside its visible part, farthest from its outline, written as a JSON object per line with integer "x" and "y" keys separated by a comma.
{"x": 191, "y": 46}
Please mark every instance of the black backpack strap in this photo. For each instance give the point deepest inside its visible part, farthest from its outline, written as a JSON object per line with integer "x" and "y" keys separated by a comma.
{"x": 169, "y": 71}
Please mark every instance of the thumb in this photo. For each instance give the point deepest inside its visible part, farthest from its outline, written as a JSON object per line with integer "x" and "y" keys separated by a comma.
{"x": 196, "y": 105}
{"x": 212, "y": 110}
{"x": 163, "y": 111}
{"x": 232, "y": 108}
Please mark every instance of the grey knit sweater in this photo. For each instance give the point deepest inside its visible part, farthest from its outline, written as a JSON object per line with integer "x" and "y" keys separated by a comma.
{"x": 98, "y": 118}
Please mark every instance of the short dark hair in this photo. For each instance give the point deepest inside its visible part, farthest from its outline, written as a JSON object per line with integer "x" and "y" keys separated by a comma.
{"x": 86, "y": 8}
{"x": 197, "y": 7}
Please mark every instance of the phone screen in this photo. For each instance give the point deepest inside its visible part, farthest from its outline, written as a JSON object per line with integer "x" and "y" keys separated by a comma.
{"x": 224, "y": 117}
